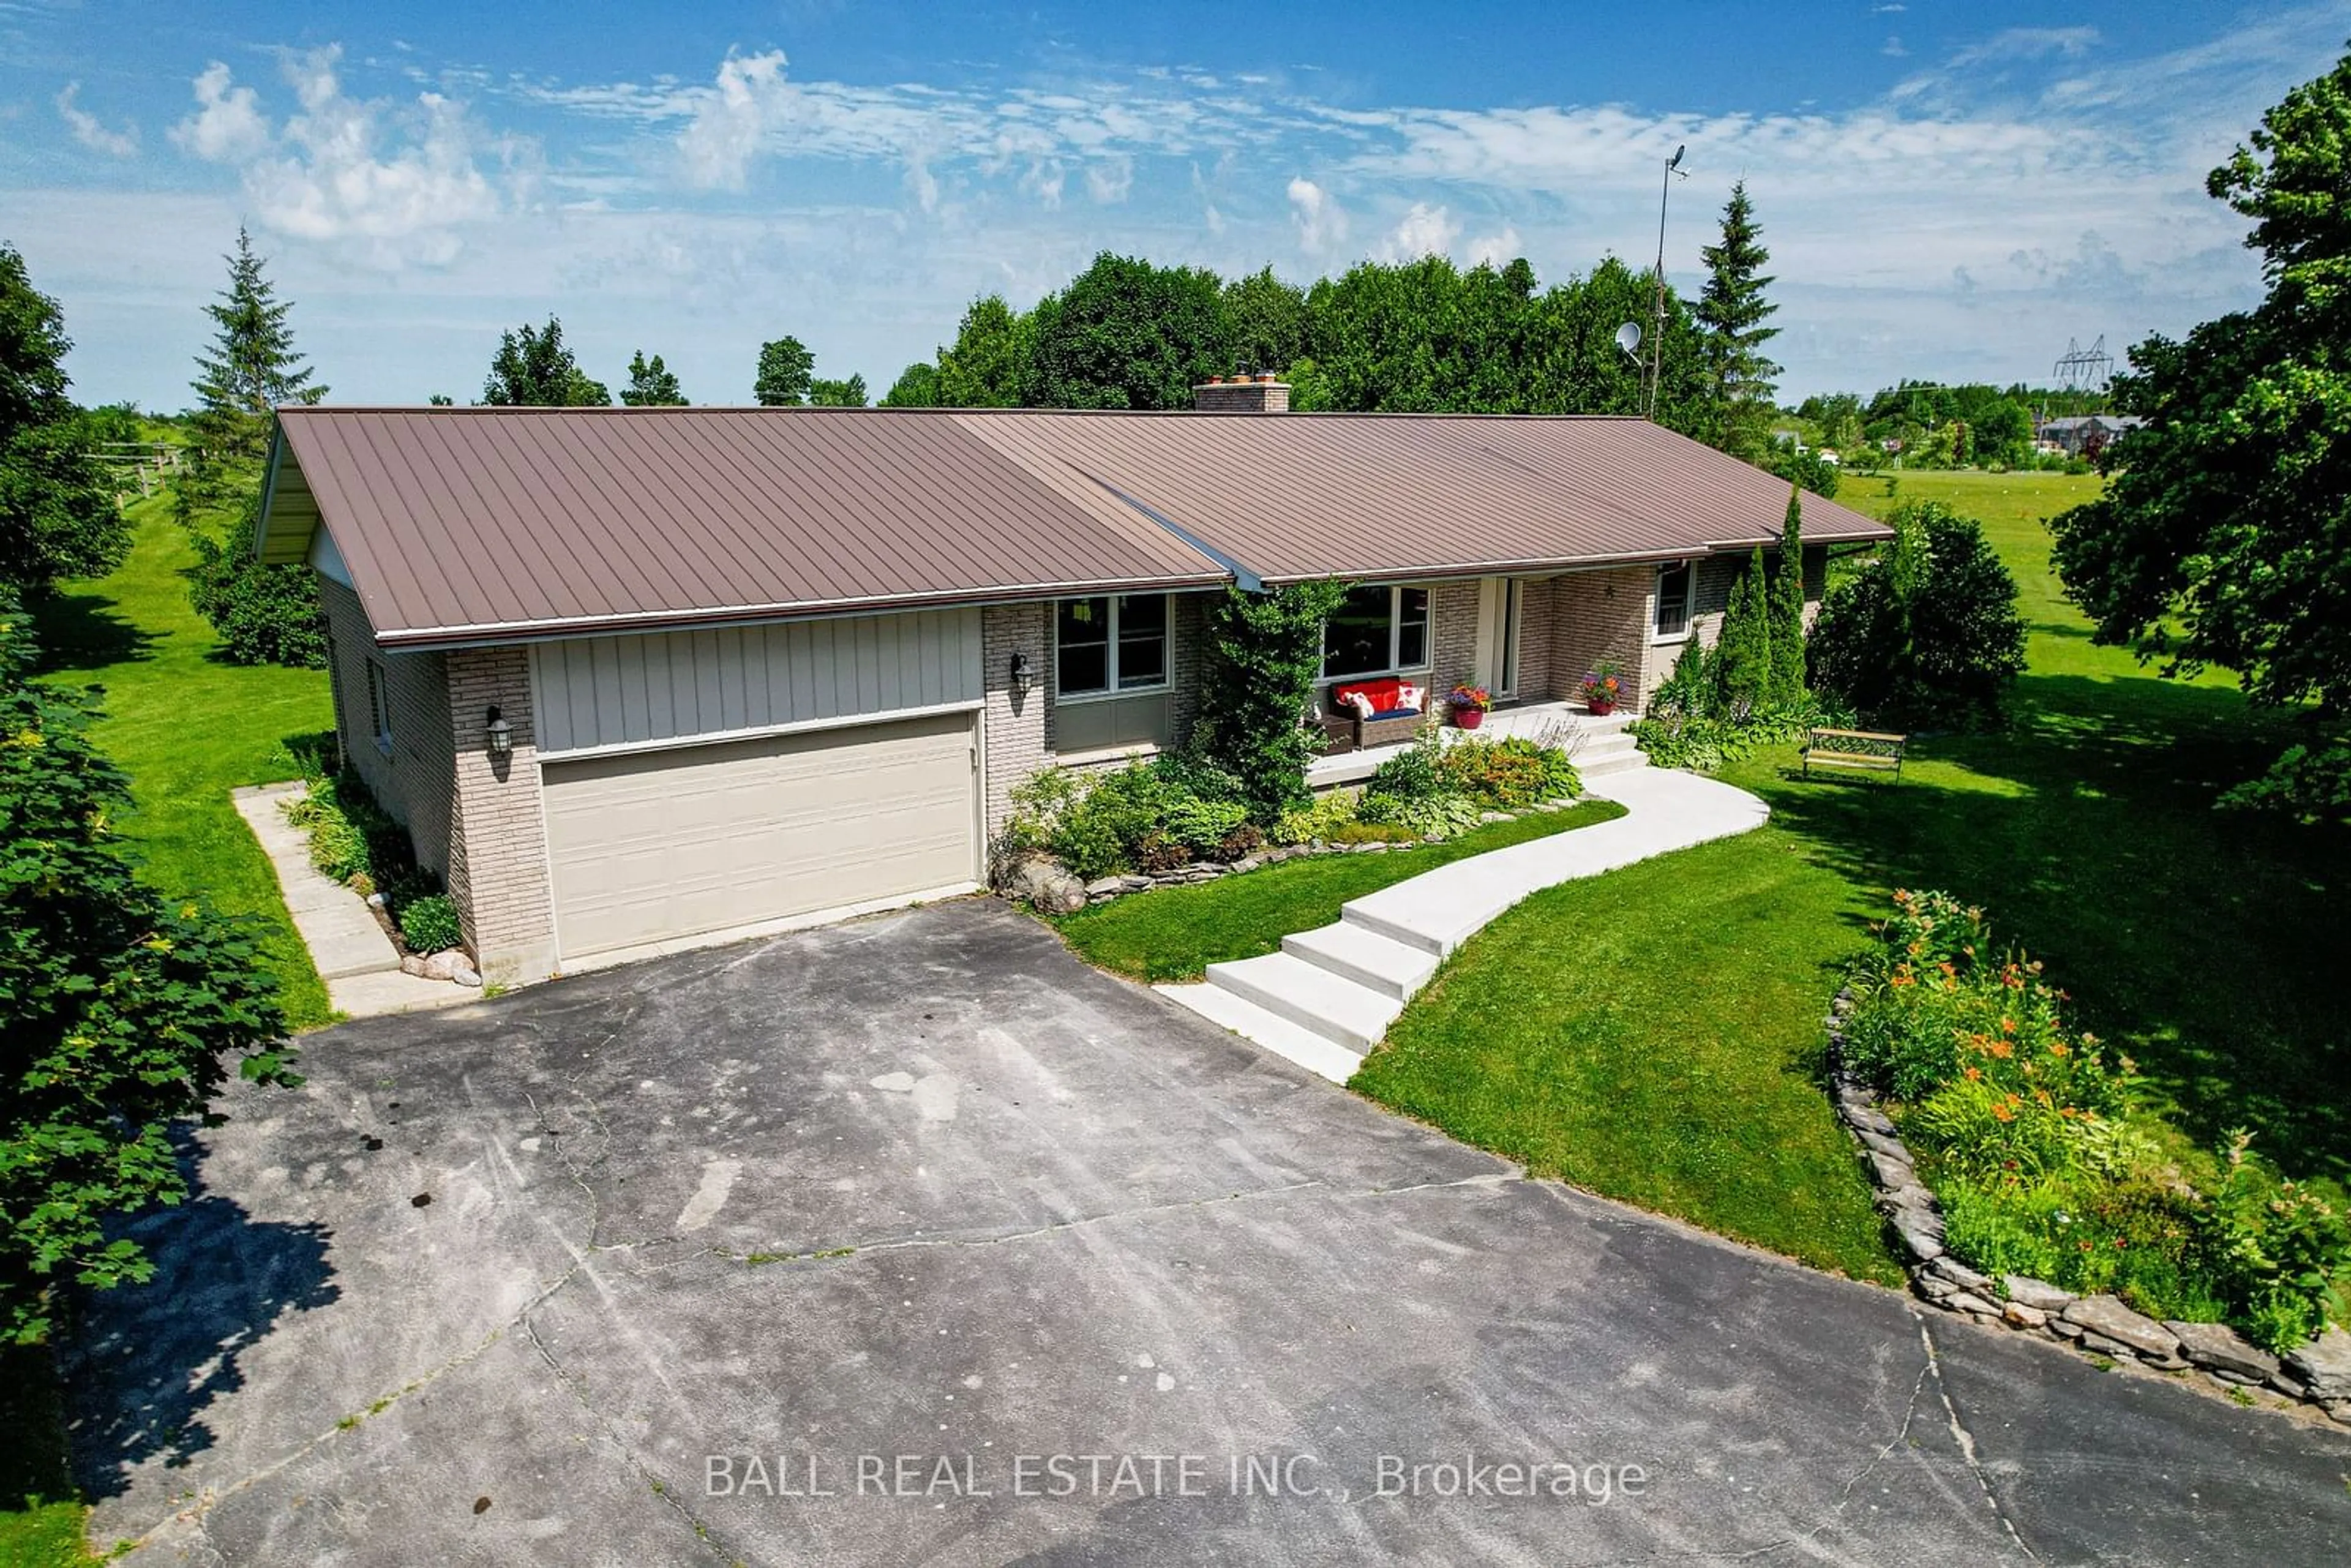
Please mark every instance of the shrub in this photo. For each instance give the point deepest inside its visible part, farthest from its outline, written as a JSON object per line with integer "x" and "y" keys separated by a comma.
{"x": 1158, "y": 854}
{"x": 1101, "y": 823}
{"x": 1926, "y": 633}
{"x": 1508, "y": 774}
{"x": 1370, "y": 833}
{"x": 1431, "y": 817}
{"x": 429, "y": 924}
{"x": 120, "y": 1014}
{"x": 1242, "y": 842}
{"x": 264, "y": 614}
{"x": 1414, "y": 773}
{"x": 1322, "y": 818}
{"x": 1265, "y": 657}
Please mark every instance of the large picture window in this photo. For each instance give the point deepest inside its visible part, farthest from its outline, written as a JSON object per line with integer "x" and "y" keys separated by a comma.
{"x": 1676, "y": 601}
{"x": 1109, "y": 644}
{"x": 1375, "y": 630}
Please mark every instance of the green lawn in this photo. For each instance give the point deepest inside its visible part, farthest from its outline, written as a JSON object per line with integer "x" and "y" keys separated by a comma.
{"x": 1175, "y": 932}
{"x": 188, "y": 728}
{"x": 1653, "y": 1034}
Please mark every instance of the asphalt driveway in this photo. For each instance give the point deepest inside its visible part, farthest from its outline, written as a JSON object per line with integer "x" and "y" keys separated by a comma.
{"x": 915, "y": 1240}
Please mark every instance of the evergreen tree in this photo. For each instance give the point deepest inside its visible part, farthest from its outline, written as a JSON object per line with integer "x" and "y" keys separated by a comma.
{"x": 1732, "y": 311}
{"x": 651, "y": 384}
{"x": 786, "y": 369}
{"x": 58, "y": 517}
{"x": 533, "y": 369}
{"x": 1788, "y": 606}
{"x": 1742, "y": 659}
{"x": 253, "y": 366}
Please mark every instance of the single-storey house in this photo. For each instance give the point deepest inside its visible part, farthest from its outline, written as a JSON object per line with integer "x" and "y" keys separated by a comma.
{"x": 2078, "y": 434}
{"x": 640, "y": 678}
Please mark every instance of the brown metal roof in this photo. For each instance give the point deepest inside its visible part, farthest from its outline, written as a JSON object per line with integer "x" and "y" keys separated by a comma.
{"x": 490, "y": 525}
{"x": 1287, "y": 496}
{"x": 486, "y": 525}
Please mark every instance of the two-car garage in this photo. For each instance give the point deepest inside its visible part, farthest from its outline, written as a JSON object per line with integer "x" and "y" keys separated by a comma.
{"x": 857, "y": 786}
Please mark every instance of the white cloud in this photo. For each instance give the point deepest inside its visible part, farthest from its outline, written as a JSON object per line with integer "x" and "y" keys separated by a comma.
{"x": 732, "y": 120}
{"x": 1424, "y": 231}
{"x": 1110, "y": 180}
{"x": 1321, "y": 222}
{"x": 397, "y": 183}
{"x": 89, "y": 133}
{"x": 2028, "y": 43}
{"x": 1495, "y": 249}
{"x": 922, "y": 183}
{"x": 1893, "y": 49}
{"x": 227, "y": 127}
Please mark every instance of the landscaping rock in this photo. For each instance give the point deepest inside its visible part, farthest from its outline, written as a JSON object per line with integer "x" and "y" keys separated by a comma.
{"x": 1248, "y": 863}
{"x": 2039, "y": 1294}
{"x": 413, "y": 964}
{"x": 2107, "y": 1347}
{"x": 1860, "y": 1109}
{"x": 2221, "y": 1349}
{"x": 2337, "y": 1410}
{"x": 2063, "y": 1328}
{"x": 444, "y": 965}
{"x": 1934, "y": 1287}
{"x": 1921, "y": 1232}
{"x": 1892, "y": 1170}
{"x": 2325, "y": 1366}
{"x": 375, "y": 901}
{"x": 1043, "y": 884}
{"x": 2287, "y": 1384}
{"x": 1882, "y": 1143}
{"x": 1105, "y": 886}
{"x": 1493, "y": 816}
{"x": 1969, "y": 1301}
{"x": 2105, "y": 1315}
{"x": 465, "y": 976}
{"x": 1960, "y": 1274}
{"x": 2022, "y": 1316}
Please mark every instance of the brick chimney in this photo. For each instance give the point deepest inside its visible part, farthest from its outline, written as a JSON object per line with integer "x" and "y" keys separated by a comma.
{"x": 1259, "y": 394}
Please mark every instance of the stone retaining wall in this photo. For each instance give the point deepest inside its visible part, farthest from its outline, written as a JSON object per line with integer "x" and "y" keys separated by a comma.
{"x": 2319, "y": 1372}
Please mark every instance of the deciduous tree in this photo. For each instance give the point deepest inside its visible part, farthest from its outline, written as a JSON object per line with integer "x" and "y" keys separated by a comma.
{"x": 58, "y": 517}
{"x": 119, "y": 1011}
{"x": 987, "y": 365}
{"x": 846, "y": 394}
{"x": 651, "y": 384}
{"x": 1126, "y": 333}
{"x": 534, "y": 368}
{"x": 918, "y": 386}
{"x": 786, "y": 369}
{"x": 2224, "y": 531}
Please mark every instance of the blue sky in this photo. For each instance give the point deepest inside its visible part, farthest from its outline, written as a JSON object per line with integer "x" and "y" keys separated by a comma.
{"x": 1950, "y": 191}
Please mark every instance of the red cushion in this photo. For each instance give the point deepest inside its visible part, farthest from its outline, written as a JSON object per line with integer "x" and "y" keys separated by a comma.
{"x": 1386, "y": 694}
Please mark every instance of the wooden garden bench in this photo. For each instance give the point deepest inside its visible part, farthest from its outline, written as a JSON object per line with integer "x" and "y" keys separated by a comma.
{"x": 1868, "y": 751}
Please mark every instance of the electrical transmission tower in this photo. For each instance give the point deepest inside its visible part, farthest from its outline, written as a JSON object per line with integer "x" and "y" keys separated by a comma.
{"x": 2084, "y": 369}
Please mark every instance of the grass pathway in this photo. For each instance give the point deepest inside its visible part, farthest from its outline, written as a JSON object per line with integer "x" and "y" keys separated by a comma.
{"x": 188, "y": 728}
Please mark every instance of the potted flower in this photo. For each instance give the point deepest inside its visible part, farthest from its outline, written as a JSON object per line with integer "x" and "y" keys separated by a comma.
{"x": 1469, "y": 705}
{"x": 1602, "y": 689}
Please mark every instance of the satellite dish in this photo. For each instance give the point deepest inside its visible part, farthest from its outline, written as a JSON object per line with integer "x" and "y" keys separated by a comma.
{"x": 1628, "y": 338}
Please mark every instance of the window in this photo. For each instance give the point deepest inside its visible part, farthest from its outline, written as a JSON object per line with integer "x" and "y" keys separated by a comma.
{"x": 1375, "y": 630}
{"x": 1109, "y": 644}
{"x": 1506, "y": 677}
{"x": 1676, "y": 590}
{"x": 379, "y": 705}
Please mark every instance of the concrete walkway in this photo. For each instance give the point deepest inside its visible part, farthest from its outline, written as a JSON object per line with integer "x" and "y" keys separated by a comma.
{"x": 1329, "y": 995}
{"x": 352, "y": 954}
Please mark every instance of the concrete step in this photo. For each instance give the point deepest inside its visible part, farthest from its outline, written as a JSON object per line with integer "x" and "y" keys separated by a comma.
{"x": 1615, "y": 744}
{"x": 1359, "y": 954}
{"x": 1615, "y": 762}
{"x": 1394, "y": 930}
{"x": 1311, "y": 998}
{"x": 1278, "y": 1035}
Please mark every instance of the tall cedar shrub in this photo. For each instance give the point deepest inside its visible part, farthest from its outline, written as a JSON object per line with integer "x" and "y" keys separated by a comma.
{"x": 1927, "y": 633}
{"x": 1266, "y": 656}
{"x": 1731, "y": 311}
{"x": 1743, "y": 652}
{"x": 1788, "y": 606}
{"x": 118, "y": 1011}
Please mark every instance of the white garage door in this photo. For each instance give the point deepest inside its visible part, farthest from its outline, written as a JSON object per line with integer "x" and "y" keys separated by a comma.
{"x": 655, "y": 845}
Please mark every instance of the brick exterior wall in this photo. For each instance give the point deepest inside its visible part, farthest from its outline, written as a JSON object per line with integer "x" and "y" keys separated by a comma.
{"x": 414, "y": 781}
{"x": 1452, "y": 638}
{"x": 1716, "y": 576}
{"x": 497, "y": 865}
{"x": 1597, "y": 615}
{"x": 1187, "y": 658}
{"x": 1018, "y": 731}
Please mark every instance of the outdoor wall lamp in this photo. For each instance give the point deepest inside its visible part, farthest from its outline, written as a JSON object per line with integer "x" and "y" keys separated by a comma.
{"x": 499, "y": 734}
{"x": 1021, "y": 677}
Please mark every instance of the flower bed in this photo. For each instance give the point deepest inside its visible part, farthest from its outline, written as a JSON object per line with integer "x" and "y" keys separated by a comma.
{"x": 1079, "y": 838}
{"x": 354, "y": 842}
{"x": 2027, "y": 1182}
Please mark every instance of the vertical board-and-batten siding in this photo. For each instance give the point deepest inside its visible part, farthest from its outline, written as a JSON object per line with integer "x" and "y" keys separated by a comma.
{"x": 632, "y": 690}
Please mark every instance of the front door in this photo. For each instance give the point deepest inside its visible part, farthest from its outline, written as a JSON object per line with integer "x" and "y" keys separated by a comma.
{"x": 1500, "y": 604}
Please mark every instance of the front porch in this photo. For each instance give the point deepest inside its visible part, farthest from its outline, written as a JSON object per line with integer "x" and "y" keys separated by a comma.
{"x": 1598, "y": 746}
